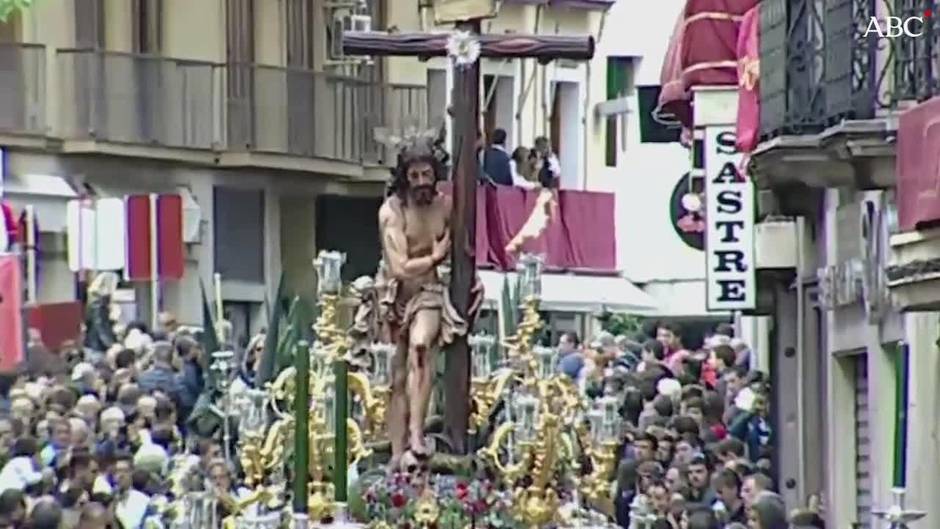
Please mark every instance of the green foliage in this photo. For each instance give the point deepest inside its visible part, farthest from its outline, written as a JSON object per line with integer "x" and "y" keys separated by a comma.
{"x": 510, "y": 306}
{"x": 10, "y": 7}
{"x": 300, "y": 318}
{"x": 266, "y": 371}
{"x": 617, "y": 324}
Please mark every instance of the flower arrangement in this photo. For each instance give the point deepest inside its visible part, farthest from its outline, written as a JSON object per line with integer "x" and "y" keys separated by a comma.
{"x": 444, "y": 502}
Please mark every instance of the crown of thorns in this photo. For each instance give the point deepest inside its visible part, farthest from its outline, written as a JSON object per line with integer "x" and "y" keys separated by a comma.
{"x": 414, "y": 142}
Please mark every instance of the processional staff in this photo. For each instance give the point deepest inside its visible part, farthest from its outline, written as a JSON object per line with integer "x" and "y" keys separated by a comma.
{"x": 897, "y": 515}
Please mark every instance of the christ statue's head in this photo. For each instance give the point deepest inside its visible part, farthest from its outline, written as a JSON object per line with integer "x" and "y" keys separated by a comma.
{"x": 415, "y": 178}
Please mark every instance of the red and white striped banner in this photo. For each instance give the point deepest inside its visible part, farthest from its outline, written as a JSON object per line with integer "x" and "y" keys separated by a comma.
{"x": 169, "y": 232}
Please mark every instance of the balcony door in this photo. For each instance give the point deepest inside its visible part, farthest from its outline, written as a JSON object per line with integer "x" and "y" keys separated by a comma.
{"x": 566, "y": 129}
{"x": 149, "y": 72}
{"x": 89, "y": 69}
{"x": 301, "y": 82}
{"x": 13, "y": 91}
{"x": 239, "y": 72}
{"x": 499, "y": 112}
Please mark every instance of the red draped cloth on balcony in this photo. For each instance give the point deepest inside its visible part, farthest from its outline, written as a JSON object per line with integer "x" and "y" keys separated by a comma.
{"x": 580, "y": 236}
{"x": 702, "y": 52}
{"x": 918, "y": 166}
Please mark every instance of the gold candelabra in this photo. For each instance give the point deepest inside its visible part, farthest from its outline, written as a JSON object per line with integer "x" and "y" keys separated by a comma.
{"x": 534, "y": 449}
{"x": 486, "y": 386}
{"x": 601, "y": 442}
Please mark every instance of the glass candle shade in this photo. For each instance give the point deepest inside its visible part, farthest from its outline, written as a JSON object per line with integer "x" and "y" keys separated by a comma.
{"x": 482, "y": 347}
{"x": 329, "y": 267}
{"x": 595, "y": 419}
{"x": 530, "y": 277}
{"x": 253, "y": 411}
{"x": 544, "y": 362}
{"x": 382, "y": 356}
{"x": 611, "y": 422}
{"x": 527, "y": 418}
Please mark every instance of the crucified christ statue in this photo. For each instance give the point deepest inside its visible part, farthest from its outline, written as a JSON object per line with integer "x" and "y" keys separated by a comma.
{"x": 414, "y": 224}
{"x": 464, "y": 47}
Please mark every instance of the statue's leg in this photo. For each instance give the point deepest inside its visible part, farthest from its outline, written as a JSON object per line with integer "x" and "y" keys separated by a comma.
{"x": 397, "y": 415}
{"x": 421, "y": 357}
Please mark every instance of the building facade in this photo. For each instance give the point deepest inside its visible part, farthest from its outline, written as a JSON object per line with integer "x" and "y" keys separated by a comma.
{"x": 862, "y": 353}
{"x": 243, "y": 107}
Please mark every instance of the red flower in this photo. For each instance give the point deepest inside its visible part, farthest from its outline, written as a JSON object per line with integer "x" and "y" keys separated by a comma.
{"x": 461, "y": 491}
{"x": 479, "y": 507}
{"x": 398, "y": 500}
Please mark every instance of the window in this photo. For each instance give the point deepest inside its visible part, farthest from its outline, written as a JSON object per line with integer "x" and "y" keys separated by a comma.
{"x": 147, "y": 25}
{"x": 89, "y": 24}
{"x": 619, "y": 84}
{"x": 238, "y": 227}
{"x": 239, "y": 54}
{"x": 300, "y": 42}
{"x": 340, "y": 228}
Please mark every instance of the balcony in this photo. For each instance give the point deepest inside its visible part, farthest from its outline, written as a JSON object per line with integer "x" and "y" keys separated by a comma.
{"x": 138, "y": 99}
{"x": 22, "y": 89}
{"x": 232, "y": 114}
{"x": 829, "y": 92}
{"x": 311, "y": 114}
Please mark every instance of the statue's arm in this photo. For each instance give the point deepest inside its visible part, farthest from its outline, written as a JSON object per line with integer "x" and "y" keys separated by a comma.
{"x": 395, "y": 244}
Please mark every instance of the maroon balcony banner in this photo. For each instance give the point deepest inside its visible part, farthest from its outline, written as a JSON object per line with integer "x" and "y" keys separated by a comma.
{"x": 918, "y": 166}
{"x": 580, "y": 237}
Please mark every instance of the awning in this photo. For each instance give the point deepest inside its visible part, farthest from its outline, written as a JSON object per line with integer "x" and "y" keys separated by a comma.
{"x": 577, "y": 293}
{"x": 46, "y": 193}
{"x": 681, "y": 299}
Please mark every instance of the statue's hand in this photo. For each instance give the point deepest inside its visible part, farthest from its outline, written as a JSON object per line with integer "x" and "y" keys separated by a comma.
{"x": 441, "y": 248}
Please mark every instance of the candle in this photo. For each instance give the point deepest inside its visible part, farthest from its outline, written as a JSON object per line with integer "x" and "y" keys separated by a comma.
{"x": 482, "y": 346}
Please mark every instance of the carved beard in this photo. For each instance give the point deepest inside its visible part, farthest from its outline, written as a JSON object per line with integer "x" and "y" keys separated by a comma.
{"x": 423, "y": 195}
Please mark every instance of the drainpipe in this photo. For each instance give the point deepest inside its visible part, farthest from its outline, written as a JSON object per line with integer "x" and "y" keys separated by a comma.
{"x": 801, "y": 350}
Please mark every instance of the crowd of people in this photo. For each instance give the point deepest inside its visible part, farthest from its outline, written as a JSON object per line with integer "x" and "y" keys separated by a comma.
{"x": 697, "y": 448}
{"x": 89, "y": 437}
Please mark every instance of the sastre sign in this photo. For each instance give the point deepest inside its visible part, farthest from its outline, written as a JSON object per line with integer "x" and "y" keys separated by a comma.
{"x": 731, "y": 282}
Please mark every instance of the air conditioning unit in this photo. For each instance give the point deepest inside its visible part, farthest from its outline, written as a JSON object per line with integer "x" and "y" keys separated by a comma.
{"x": 342, "y": 22}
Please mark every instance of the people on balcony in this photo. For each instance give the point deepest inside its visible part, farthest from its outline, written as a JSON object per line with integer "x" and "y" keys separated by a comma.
{"x": 549, "y": 169}
{"x": 496, "y": 160}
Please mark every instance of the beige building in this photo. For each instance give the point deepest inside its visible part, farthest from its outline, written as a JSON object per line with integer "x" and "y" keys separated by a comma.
{"x": 249, "y": 109}
{"x": 241, "y": 106}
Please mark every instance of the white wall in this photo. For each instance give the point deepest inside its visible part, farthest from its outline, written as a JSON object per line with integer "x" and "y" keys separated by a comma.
{"x": 645, "y": 175}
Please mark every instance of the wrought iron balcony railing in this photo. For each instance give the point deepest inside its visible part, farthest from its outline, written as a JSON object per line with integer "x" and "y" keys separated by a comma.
{"x": 145, "y": 99}
{"x": 23, "y": 88}
{"x": 306, "y": 113}
{"x": 819, "y": 67}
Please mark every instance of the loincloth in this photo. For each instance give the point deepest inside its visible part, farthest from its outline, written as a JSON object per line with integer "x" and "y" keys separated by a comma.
{"x": 401, "y": 311}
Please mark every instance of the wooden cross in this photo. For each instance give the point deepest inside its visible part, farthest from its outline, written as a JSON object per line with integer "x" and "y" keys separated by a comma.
{"x": 466, "y": 115}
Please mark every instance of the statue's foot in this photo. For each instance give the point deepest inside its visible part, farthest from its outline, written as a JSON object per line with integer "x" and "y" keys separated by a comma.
{"x": 394, "y": 464}
{"x": 419, "y": 448}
